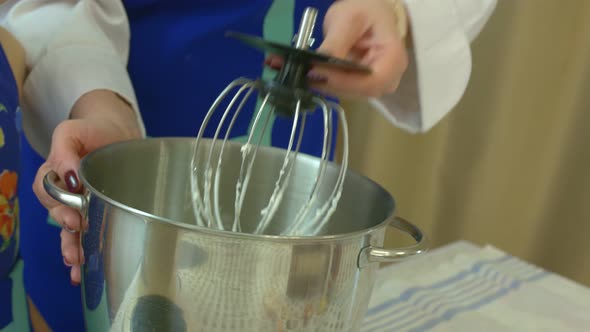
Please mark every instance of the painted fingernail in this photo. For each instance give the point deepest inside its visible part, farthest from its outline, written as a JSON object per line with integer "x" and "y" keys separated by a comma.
{"x": 72, "y": 181}
{"x": 274, "y": 63}
{"x": 66, "y": 263}
{"x": 74, "y": 283}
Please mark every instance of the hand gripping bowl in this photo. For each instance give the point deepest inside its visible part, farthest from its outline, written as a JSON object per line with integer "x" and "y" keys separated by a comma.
{"x": 150, "y": 268}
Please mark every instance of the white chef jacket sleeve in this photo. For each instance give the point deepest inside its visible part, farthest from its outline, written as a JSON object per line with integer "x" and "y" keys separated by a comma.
{"x": 72, "y": 47}
{"x": 440, "y": 61}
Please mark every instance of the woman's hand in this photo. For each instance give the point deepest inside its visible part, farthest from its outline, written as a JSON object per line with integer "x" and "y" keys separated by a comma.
{"x": 98, "y": 118}
{"x": 370, "y": 32}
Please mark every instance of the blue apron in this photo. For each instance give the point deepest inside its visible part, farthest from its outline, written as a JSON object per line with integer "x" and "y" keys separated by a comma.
{"x": 13, "y": 310}
{"x": 179, "y": 62}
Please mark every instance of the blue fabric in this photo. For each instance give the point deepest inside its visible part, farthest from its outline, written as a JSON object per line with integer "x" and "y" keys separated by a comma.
{"x": 5, "y": 302}
{"x": 179, "y": 62}
{"x": 46, "y": 278}
{"x": 9, "y": 169}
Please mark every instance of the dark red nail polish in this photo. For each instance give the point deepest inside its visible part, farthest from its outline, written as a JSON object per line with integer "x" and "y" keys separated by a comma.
{"x": 72, "y": 181}
{"x": 273, "y": 65}
{"x": 74, "y": 283}
{"x": 273, "y": 62}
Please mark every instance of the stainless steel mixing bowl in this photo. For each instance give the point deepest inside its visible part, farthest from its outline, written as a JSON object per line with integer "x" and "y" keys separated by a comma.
{"x": 150, "y": 268}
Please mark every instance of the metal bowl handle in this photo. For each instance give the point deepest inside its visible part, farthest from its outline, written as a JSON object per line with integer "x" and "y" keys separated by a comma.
{"x": 76, "y": 201}
{"x": 372, "y": 254}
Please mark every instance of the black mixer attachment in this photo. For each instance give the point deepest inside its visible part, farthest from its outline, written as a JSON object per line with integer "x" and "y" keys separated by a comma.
{"x": 291, "y": 84}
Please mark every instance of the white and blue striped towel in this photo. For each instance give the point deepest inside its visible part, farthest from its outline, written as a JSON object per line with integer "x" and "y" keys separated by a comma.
{"x": 465, "y": 288}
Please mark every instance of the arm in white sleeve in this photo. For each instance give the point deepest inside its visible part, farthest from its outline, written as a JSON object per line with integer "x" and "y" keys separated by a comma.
{"x": 440, "y": 61}
{"x": 72, "y": 47}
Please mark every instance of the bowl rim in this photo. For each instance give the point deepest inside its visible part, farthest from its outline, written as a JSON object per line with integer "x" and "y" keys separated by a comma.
{"x": 92, "y": 191}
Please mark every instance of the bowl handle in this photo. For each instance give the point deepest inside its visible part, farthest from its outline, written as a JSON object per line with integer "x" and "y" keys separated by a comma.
{"x": 76, "y": 201}
{"x": 381, "y": 255}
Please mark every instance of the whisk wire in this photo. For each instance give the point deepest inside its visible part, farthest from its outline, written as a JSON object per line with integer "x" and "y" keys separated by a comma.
{"x": 326, "y": 151}
{"x": 217, "y": 204}
{"x": 323, "y": 214}
{"x": 211, "y": 209}
{"x": 197, "y": 200}
{"x": 283, "y": 179}
{"x": 244, "y": 177}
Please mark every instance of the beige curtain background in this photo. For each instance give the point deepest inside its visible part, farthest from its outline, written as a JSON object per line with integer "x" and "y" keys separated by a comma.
{"x": 510, "y": 166}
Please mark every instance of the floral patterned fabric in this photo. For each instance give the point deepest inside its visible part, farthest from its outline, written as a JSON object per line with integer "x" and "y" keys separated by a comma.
{"x": 13, "y": 312}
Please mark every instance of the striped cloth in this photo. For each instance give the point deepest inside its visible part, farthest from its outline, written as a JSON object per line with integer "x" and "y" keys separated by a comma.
{"x": 463, "y": 287}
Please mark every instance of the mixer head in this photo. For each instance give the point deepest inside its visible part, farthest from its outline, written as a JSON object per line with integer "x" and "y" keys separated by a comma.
{"x": 290, "y": 85}
{"x": 288, "y": 94}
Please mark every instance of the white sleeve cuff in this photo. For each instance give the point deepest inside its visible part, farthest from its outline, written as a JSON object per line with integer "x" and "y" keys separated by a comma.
{"x": 439, "y": 70}
{"x": 57, "y": 81}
